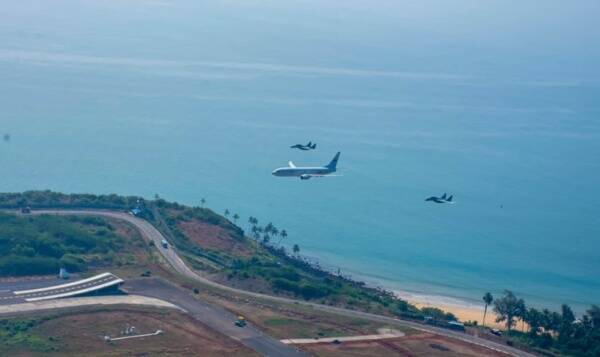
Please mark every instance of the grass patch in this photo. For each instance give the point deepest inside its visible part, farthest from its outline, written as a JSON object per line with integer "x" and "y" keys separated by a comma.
{"x": 18, "y": 332}
{"x": 40, "y": 245}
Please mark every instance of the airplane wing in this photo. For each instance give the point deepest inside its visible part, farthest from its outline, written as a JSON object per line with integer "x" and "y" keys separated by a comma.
{"x": 291, "y": 164}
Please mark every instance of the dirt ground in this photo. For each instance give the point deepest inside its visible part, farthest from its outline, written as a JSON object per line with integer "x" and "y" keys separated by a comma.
{"x": 82, "y": 334}
{"x": 284, "y": 321}
{"x": 213, "y": 237}
{"x": 422, "y": 345}
{"x": 298, "y": 322}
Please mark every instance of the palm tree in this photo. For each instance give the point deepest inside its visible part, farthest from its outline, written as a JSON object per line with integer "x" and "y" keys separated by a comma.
{"x": 565, "y": 329}
{"x": 487, "y": 298}
{"x": 202, "y": 202}
{"x": 522, "y": 313}
{"x": 535, "y": 320}
{"x": 235, "y": 218}
{"x": 226, "y": 212}
{"x": 269, "y": 227}
{"x": 266, "y": 239}
{"x": 507, "y": 308}
{"x": 283, "y": 234}
{"x": 255, "y": 234}
{"x": 296, "y": 248}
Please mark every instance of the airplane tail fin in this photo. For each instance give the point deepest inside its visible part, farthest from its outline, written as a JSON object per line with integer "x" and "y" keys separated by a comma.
{"x": 449, "y": 198}
{"x": 309, "y": 143}
{"x": 333, "y": 164}
{"x": 314, "y": 146}
{"x": 443, "y": 196}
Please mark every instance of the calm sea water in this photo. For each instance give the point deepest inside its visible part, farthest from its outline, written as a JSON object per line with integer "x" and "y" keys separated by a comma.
{"x": 196, "y": 101}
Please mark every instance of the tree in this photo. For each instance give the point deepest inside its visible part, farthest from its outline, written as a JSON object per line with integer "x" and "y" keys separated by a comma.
{"x": 226, "y": 212}
{"x": 565, "y": 329}
{"x": 235, "y": 217}
{"x": 269, "y": 227}
{"x": 507, "y": 308}
{"x": 283, "y": 234}
{"x": 535, "y": 320}
{"x": 255, "y": 233}
{"x": 296, "y": 249}
{"x": 551, "y": 320}
{"x": 522, "y": 313}
{"x": 594, "y": 314}
{"x": 487, "y": 299}
{"x": 202, "y": 202}
{"x": 266, "y": 239}
{"x": 252, "y": 221}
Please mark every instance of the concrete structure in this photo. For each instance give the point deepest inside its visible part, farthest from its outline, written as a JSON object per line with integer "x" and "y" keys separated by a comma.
{"x": 29, "y": 307}
{"x": 75, "y": 288}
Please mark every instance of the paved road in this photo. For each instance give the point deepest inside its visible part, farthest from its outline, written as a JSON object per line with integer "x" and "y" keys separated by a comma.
{"x": 214, "y": 317}
{"x": 16, "y": 293}
{"x": 152, "y": 234}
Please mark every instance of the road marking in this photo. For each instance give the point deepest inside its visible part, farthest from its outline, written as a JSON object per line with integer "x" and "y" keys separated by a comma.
{"x": 100, "y": 278}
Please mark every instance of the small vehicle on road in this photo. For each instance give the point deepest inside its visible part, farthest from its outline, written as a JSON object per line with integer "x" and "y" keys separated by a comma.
{"x": 240, "y": 322}
{"x": 164, "y": 243}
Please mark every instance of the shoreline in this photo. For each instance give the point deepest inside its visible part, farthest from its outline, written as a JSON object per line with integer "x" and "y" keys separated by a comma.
{"x": 462, "y": 309}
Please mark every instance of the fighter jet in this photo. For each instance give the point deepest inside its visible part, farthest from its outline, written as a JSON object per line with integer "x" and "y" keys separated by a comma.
{"x": 309, "y": 146}
{"x": 306, "y": 173}
{"x": 442, "y": 199}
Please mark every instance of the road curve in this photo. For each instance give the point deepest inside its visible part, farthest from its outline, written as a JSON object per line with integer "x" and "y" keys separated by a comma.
{"x": 152, "y": 234}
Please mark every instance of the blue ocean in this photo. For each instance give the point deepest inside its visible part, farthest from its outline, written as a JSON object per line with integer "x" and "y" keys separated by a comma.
{"x": 188, "y": 100}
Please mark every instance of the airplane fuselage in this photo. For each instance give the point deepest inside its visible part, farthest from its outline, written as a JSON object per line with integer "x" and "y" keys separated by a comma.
{"x": 301, "y": 147}
{"x": 306, "y": 173}
{"x": 436, "y": 200}
{"x": 299, "y": 171}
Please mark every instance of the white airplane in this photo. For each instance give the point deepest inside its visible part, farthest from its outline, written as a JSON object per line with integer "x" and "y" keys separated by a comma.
{"x": 307, "y": 172}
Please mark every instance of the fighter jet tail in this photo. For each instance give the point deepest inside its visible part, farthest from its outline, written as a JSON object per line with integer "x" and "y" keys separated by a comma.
{"x": 449, "y": 199}
{"x": 333, "y": 164}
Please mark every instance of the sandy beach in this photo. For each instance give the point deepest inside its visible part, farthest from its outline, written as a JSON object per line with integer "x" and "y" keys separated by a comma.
{"x": 462, "y": 309}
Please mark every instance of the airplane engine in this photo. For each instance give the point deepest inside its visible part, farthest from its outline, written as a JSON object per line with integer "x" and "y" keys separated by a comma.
{"x": 304, "y": 177}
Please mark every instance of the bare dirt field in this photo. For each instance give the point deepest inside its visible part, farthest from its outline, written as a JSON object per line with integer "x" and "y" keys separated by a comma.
{"x": 82, "y": 333}
{"x": 209, "y": 236}
{"x": 422, "y": 345}
{"x": 285, "y": 322}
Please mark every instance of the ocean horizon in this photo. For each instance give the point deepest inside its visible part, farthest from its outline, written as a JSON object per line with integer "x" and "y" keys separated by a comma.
{"x": 511, "y": 131}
